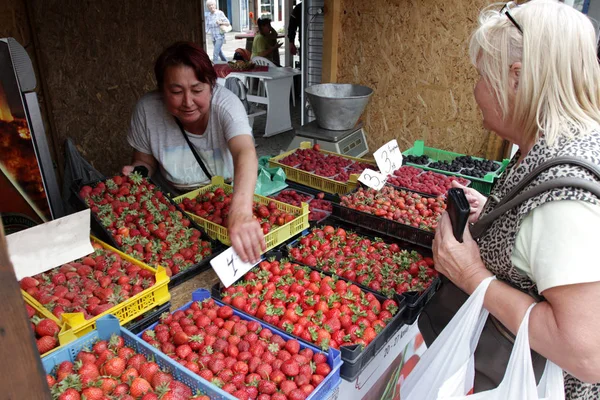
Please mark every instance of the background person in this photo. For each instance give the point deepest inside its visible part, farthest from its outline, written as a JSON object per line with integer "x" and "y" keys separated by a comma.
{"x": 265, "y": 42}
{"x": 213, "y": 21}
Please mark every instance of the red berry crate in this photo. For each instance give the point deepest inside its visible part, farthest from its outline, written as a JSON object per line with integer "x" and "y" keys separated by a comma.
{"x": 108, "y": 326}
{"x": 355, "y": 358}
{"x": 384, "y": 226}
{"x": 415, "y": 301}
{"x": 103, "y": 234}
{"x": 322, "y": 391}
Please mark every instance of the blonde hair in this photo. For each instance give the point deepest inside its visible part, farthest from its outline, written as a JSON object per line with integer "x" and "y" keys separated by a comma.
{"x": 559, "y": 83}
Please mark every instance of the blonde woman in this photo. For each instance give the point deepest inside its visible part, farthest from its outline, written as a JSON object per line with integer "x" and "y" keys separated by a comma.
{"x": 538, "y": 87}
{"x": 213, "y": 21}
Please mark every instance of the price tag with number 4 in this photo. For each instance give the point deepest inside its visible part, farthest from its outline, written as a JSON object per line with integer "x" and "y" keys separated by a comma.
{"x": 229, "y": 267}
{"x": 388, "y": 157}
{"x": 372, "y": 179}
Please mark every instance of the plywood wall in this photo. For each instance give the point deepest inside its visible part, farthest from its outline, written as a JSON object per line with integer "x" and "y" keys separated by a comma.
{"x": 413, "y": 53}
{"x": 97, "y": 57}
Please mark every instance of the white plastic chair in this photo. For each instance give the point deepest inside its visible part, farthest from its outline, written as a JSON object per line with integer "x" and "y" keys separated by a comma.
{"x": 265, "y": 61}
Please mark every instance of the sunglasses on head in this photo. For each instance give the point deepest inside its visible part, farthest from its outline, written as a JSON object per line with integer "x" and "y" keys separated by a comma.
{"x": 506, "y": 11}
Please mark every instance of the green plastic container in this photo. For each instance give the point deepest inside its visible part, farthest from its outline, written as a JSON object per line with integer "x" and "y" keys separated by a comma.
{"x": 483, "y": 185}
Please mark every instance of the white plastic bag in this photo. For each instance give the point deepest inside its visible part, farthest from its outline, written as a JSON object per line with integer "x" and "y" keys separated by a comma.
{"x": 519, "y": 379}
{"x": 446, "y": 370}
{"x": 449, "y": 360}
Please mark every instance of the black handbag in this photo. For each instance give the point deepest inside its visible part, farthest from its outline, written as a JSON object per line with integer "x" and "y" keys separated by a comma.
{"x": 496, "y": 341}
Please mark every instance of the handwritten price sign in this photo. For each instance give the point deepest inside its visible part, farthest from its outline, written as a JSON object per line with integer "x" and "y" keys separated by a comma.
{"x": 388, "y": 157}
{"x": 372, "y": 179}
{"x": 229, "y": 267}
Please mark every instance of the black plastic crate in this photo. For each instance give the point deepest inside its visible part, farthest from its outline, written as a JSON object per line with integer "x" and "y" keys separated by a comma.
{"x": 145, "y": 320}
{"x": 414, "y": 301}
{"x": 384, "y": 226}
{"x": 355, "y": 358}
{"x": 102, "y": 233}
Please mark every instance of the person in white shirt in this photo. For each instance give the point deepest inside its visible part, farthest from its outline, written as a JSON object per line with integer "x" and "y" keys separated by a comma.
{"x": 189, "y": 104}
{"x": 538, "y": 87}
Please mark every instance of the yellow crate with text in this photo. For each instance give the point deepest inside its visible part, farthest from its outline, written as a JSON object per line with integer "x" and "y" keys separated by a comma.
{"x": 272, "y": 239}
{"x": 74, "y": 325}
{"x": 315, "y": 181}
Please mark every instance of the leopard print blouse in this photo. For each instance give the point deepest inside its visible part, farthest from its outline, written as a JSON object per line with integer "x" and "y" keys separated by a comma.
{"x": 497, "y": 243}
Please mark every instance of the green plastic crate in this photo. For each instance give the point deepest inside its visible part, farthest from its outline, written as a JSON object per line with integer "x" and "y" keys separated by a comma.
{"x": 483, "y": 185}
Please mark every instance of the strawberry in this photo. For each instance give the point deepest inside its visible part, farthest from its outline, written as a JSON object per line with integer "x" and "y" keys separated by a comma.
{"x": 161, "y": 379}
{"x": 136, "y": 361}
{"x": 30, "y": 310}
{"x": 28, "y": 283}
{"x": 88, "y": 372}
{"x": 297, "y": 394}
{"x": 70, "y": 394}
{"x": 180, "y": 338}
{"x": 148, "y": 370}
{"x": 287, "y": 386}
{"x": 129, "y": 375}
{"x": 46, "y": 343}
{"x": 139, "y": 387}
{"x": 107, "y": 385}
{"x": 114, "y": 367}
{"x": 292, "y": 346}
{"x": 92, "y": 393}
{"x": 45, "y": 327}
{"x": 225, "y": 312}
{"x": 266, "y": 387}
{"x": 290, "y": 368}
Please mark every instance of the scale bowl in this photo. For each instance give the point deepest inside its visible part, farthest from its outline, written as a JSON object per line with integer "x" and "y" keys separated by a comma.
{"x": 338, "y": 106}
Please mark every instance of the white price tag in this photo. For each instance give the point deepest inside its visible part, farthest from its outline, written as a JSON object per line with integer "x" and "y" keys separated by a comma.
{"x": 56, "y": 242}
{"x": 229, "y": 267}
{"x": 372, "y": 179}
{"x": 388, "y": 157}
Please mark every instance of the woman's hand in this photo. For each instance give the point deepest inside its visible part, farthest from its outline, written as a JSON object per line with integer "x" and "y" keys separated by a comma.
{"x": 459, "y": 262}
{"x": 128, "y": 169}
{"x": 246, "y": 236}
{"x": 476, "y": 201}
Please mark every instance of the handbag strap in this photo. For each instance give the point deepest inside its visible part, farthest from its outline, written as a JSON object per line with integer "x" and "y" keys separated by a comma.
{"x": 511, "y": 200}
{"x": 196, "y": 155}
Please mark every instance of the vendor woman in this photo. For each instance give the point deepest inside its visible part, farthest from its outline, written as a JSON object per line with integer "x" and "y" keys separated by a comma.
{"x": 191, "y": 113}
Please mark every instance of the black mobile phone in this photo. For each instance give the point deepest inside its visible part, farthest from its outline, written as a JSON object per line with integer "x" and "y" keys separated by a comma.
{"x": 458, "y": 209}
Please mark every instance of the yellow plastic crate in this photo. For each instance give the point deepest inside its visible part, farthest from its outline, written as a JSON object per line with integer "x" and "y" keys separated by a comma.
{"x": 74, "y": 325}
{"x": 315, "y": 181}
{"x": 272, "y": 239}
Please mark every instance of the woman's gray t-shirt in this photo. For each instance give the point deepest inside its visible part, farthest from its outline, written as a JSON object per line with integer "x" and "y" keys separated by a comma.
{"x": 154, "y": 131}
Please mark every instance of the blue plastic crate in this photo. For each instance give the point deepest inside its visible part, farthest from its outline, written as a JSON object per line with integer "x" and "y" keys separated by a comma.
{"x": 109, "y": 325}
{"x": 334, "y": 358}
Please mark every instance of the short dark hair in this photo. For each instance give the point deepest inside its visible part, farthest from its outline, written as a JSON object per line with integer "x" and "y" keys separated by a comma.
{"x": 189, "y": 54}
{"x": 263, "y": 21}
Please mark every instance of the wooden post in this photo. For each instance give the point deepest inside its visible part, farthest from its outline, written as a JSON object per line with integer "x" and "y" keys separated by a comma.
{"x": 21, "y": 372}
{"x": 332, "y": 29}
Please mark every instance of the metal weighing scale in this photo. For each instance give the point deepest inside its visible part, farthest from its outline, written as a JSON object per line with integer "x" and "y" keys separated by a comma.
{"x": 351, "y": 142}
{"x": 337, "y": 108}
